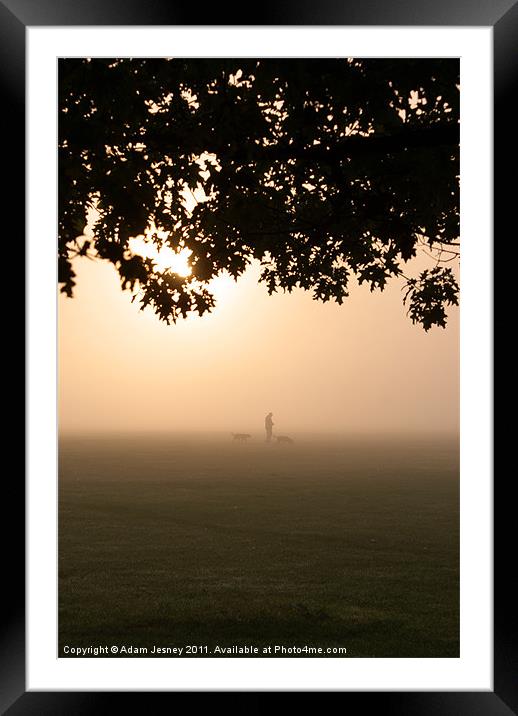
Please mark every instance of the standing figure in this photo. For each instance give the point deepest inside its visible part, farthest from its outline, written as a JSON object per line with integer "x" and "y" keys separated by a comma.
{"x": 268, "y": 424}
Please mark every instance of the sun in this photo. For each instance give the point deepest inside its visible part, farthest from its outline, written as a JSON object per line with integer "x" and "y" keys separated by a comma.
{"x": 165, "y": 259}
{"x": 222, "y": 286}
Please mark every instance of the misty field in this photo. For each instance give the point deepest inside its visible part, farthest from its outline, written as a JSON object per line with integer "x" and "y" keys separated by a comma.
{"x": 176, "y": 541}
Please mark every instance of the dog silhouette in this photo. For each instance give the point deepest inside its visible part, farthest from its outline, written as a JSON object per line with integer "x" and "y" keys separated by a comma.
{"x": 241, "y": 437}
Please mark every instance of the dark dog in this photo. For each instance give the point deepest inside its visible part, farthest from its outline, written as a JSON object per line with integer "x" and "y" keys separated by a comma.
{"x": 241, "y": 437}
{"x": 284, "y": 439}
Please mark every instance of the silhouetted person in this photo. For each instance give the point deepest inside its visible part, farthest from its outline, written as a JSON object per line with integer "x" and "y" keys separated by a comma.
{"x": 268, "y": 424}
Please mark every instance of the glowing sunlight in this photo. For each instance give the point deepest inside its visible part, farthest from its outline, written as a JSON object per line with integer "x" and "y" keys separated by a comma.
{"x": 164, "y": 258}
{"x": 223, "y": 287}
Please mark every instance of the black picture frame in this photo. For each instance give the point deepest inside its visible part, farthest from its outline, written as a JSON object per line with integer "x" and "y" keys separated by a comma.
{"x": 15, "y": 17}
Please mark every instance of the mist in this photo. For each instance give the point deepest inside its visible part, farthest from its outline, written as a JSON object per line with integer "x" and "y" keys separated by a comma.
{"x": 362, "y": 367}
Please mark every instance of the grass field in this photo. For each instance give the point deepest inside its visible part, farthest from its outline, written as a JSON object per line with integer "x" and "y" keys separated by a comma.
{"x": 174, "y": 541}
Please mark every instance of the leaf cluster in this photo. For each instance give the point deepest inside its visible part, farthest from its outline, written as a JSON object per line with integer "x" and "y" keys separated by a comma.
{"x": 319, "y": 169}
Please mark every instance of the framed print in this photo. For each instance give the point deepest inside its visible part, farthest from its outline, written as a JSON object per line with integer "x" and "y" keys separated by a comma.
{"x": 282, "y": 463}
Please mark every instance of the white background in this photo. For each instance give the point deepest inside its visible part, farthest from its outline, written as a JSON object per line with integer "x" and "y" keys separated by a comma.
{"x": 473, "y": 670}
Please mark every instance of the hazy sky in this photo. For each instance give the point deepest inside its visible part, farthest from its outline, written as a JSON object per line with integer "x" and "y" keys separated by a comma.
{"x": 362, "y": 366}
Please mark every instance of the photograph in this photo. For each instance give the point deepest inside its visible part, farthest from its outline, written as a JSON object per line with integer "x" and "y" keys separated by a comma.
{"x": 258, "y": 361}
{"x": 259, "y": 442}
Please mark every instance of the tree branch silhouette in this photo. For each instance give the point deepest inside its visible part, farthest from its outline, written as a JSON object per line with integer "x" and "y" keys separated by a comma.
{"x": 318, "y": 169}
